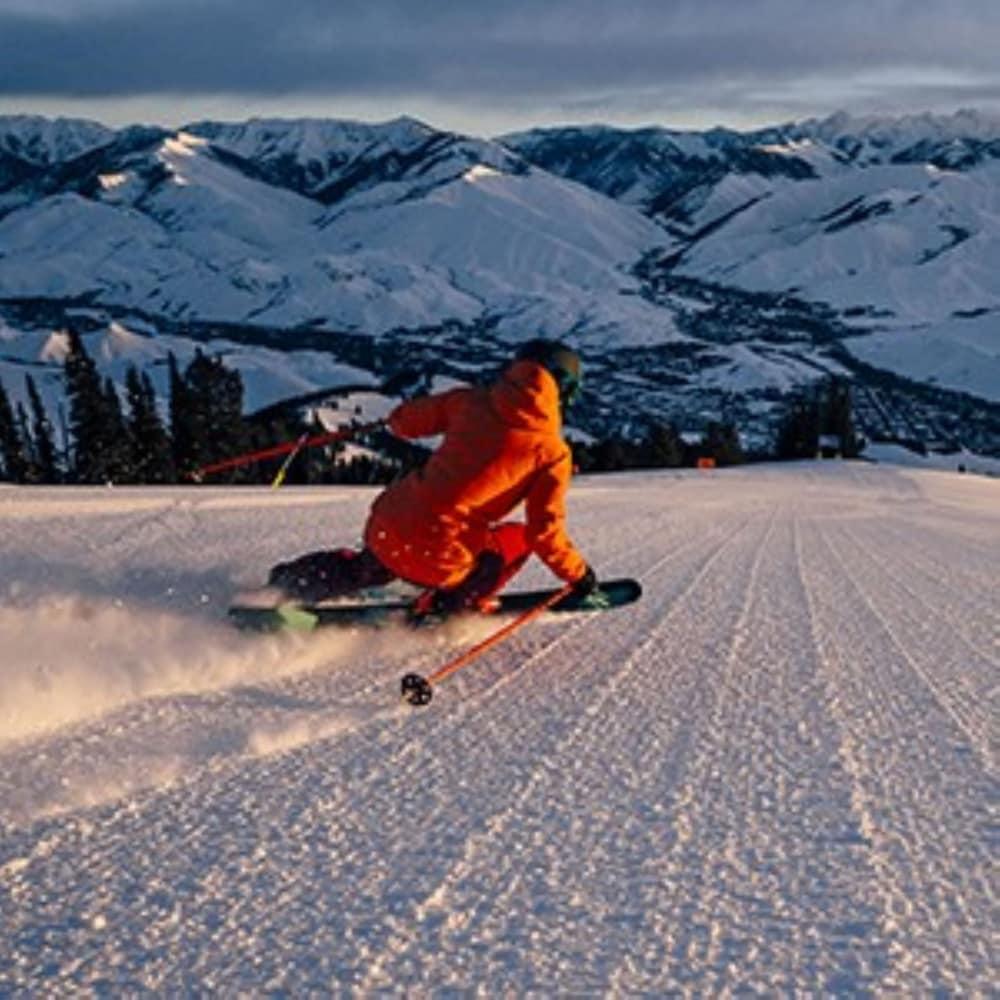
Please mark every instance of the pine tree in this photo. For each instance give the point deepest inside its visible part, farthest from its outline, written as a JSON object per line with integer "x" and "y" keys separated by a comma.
{"x": 798, "y": 434}
{"x": 118, "y": 456}
{"x": 838, "y": 420}
{"x": 89, "y": 419}
{"x": 207, "y": 415}
{"x": 722, "y": 442}
{"x": 181, "y": 421}
{"x": 13, "y": 457}
{"x": 41, "y": 430}
{"x": 32, "y": 474}
{"x": 151, "y": 459}
{"x": 663, "y": 447}
{"x": 201, "y": 381}
{"x": 611, "y": 455}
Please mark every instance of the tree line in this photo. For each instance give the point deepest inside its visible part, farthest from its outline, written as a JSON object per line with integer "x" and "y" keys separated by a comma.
{"x": 816, "y": 422}
{"x": 105, "y": 441}
{"x": 661, "y": 446}
{"x": 819, "y": 421}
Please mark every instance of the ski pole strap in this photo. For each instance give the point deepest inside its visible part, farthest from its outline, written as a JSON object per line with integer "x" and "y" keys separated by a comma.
{"x": 289, "y": 447}
{"x": 501, "y": 633}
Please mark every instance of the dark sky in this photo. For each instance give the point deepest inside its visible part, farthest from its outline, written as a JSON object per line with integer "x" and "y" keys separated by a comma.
{"x": 486, "y": 67}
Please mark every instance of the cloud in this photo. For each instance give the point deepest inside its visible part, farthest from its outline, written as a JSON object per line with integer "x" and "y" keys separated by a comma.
{"x": 556, "y": 55}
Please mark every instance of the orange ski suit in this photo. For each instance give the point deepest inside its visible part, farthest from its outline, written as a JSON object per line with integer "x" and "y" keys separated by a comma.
{"x": 502, "y": 445}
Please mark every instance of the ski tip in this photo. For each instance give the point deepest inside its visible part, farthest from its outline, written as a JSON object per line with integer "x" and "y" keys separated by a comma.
{"x": 295, "y": 617}
{"x": 284, "y": 617}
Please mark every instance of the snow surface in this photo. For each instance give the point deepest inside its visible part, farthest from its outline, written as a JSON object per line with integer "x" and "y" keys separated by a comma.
{"x": 774, "y": 774}
{"x": 949, "y": 461}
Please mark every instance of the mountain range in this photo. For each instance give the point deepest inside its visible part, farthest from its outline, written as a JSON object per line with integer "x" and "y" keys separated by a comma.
{"x": 704, "y": 275}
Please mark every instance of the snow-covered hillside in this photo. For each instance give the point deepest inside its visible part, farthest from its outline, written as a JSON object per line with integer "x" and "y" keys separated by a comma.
{"x": 906, "y": 243}
{"x": 706, "y": 276}
{"x": 268, "y": 375}
{"x": 403, "y": 227}
{"x": 45, "y": 141}
{"x": 898, "y": 217}
{"x": 774, "y": 774}
{"x": 660, "y": 169}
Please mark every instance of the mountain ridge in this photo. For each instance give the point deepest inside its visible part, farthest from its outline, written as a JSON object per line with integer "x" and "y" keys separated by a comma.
{"x": 704, "y": 274}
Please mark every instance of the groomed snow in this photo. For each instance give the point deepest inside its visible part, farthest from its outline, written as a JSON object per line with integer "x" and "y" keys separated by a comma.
{"x": 773, "y": 775}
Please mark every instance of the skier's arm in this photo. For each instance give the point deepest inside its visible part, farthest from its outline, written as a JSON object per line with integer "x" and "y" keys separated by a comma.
{"x": 423, "y": 417}
{"x": 545, "y": 507}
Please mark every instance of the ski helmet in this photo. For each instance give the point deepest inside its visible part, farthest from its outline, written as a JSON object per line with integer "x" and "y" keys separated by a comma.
{"x": 560, "y": 361}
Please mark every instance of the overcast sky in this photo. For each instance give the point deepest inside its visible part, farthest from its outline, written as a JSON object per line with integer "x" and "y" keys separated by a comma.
{"x": 489, "y": 66}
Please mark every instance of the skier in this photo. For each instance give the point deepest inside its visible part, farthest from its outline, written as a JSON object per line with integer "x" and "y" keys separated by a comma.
{"x": 441, "y": 527}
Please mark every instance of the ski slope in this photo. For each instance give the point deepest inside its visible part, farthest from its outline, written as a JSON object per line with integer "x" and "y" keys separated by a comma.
{"x": 775, "y": 774}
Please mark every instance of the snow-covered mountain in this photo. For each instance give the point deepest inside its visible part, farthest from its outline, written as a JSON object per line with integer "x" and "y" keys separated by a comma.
{"x": 900, "y": 218}
{"x": 889, "y": 227}
{"x": 662, "y": 170}
{"x": 390, "y": 226}
{"x": 30, "y": 140}
{"x": 703, "y": 274}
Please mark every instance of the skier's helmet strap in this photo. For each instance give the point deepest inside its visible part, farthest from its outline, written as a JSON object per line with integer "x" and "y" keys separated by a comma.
{"x": 560, "y": 360}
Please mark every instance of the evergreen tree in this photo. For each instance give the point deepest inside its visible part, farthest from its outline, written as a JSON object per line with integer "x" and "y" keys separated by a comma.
{"x": 611, "y": 455}
{"x": 798, "y": 433}
{"x": 151, "y": 459}
{"x": 663, "y": 447}
{"x": 722, "y": 442}
{"x": 181, "y": 421}
{"x": 31, "y": 470}
{"x": 313, "y": 464}
{"x": 91, "y": 421}
{"x": 837, "y": 416}
{"x": 119, "y": 448}
{"x": 44, "y": 456}
{"x": 207, "y": 415}
{"x": 583, "y": 458}
{"x": 13, "y": 457}
{"x": 825, "y": 412}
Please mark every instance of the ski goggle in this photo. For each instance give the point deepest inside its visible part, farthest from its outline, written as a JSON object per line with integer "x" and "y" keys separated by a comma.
{"x": 561, "y": 362}
{"x": 569, "y": 386}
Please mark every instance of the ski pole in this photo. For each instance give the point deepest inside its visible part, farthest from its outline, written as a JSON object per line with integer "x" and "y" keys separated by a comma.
{"x": 283, "y": 471}
{"x": 329, "y": 437}
{"x": 418, "y": 690}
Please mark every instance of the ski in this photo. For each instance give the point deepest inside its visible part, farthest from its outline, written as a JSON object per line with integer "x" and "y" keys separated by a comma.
{"x": 379, "y": 613}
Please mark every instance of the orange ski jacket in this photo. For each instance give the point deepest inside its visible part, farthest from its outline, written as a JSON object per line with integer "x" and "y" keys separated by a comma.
{"x": 502, "y": 445}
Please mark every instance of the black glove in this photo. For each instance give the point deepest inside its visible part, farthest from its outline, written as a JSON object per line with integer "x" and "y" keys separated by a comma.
{"x": 586, "y": 585}
{"x": 587, "y": 593}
